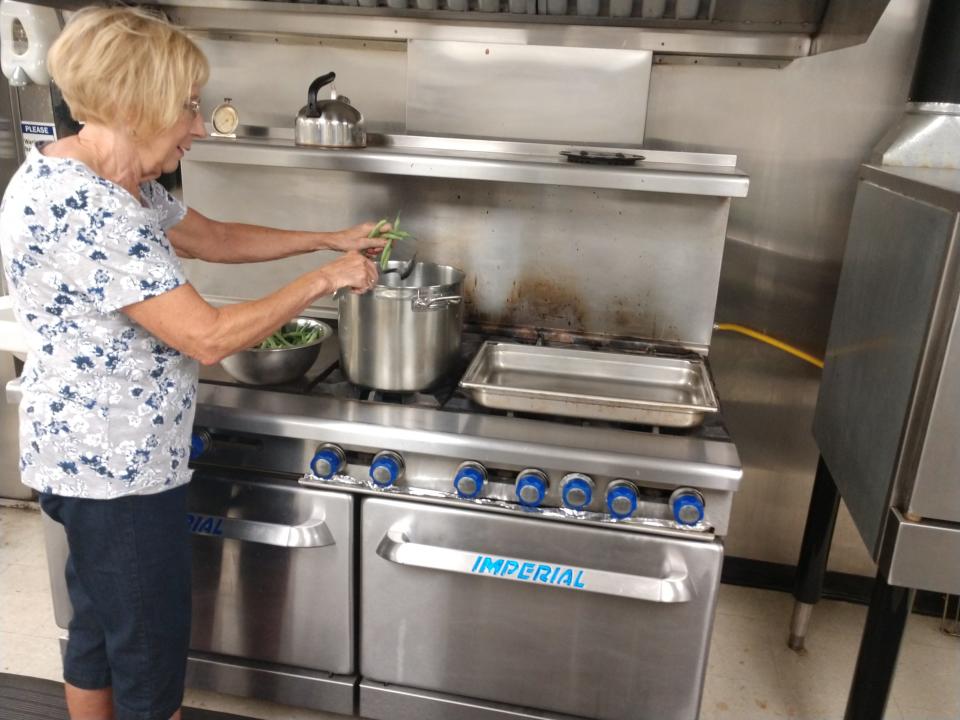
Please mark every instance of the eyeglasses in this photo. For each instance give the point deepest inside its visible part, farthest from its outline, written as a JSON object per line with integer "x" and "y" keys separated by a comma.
{"x": 193, "y": 106}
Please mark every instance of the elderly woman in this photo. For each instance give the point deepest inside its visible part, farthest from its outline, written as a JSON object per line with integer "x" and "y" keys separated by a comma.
{"x": 90, "y": 244}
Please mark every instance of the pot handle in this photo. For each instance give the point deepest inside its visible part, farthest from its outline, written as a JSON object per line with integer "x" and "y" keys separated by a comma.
{"x": 315, "y": 88}
{"x": 421, "y": 304}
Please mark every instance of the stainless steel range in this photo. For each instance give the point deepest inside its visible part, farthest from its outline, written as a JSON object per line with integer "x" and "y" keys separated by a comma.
{"x": 422, "y": 556}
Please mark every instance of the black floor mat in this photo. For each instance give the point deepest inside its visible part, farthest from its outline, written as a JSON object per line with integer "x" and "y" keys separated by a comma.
{"x": 26, "y": 698}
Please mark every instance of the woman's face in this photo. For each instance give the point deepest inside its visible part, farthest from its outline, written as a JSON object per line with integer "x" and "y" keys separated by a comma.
{"x": 163, "y": 153}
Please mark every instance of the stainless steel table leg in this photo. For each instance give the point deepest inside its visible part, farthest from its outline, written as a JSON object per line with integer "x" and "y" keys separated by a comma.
{"x": 799, "y": 623}
{"x": 814, "y": 552}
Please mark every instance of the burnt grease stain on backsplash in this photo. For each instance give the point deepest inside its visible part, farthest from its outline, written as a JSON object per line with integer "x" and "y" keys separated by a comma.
{"x": 538, "y": 302}
{"x": 532, "y": 302}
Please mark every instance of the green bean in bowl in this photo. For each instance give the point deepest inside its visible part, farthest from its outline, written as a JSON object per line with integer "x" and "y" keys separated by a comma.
{"x": 292, "y": 335}
{"x": 283, "y": 357}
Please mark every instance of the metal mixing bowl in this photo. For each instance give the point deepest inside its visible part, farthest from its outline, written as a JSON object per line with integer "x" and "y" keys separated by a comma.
{"x": 274, "y": 367}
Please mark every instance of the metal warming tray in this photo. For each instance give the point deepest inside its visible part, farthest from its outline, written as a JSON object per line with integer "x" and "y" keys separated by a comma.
{"x": 592, "y": 384}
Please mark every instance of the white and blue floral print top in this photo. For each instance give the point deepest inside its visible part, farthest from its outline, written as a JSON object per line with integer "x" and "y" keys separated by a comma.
{"x": 107, "y": 408}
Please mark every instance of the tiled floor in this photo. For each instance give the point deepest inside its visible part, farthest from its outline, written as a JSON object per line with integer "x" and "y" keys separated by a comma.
{"x": 752, "y": 674}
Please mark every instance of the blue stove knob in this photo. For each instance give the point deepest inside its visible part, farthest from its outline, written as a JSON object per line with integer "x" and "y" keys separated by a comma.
{"x": 576, "y": 490}
{"x": 386, "y": 469}
{"x": 469, "y": 480}
{"x": 621, "y": 499}
{"x": 327, "y": 461}
{"x": 531, "y": 487}
{"x": 199, "y": 443}
{"x": 687, "y": 505}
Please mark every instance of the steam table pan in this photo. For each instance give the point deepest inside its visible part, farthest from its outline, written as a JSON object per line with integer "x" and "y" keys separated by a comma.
{"x": 591, "y": 384}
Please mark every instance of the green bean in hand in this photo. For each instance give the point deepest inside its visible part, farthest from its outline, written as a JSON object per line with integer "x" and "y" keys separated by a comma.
{"x": 392, "y": 235}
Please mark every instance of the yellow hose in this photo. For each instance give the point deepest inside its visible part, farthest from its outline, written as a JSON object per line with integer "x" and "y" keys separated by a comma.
{"x": 779, "y": 344}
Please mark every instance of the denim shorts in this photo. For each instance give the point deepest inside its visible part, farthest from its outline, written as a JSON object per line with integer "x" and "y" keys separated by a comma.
{"x": 128, "y": 576}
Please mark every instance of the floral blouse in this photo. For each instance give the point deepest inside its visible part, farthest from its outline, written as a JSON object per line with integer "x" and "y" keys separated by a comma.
{"x": 107, "y": 408}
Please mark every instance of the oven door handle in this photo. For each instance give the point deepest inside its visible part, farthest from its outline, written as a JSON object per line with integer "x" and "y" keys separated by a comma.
{"x": 312, "y": 534}
{"x": 674, "y": 587}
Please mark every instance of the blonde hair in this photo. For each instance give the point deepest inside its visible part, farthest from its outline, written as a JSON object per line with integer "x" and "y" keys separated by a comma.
{"x": 124, "y": 66}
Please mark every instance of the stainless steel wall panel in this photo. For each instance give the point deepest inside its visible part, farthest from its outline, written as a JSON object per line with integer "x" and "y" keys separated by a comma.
{"x": 800, "y": 133}
{"x": 533, "y": 92}
{"x": 267, "y": 76}
{"x": 10, "y": 485}
{"x": 877, "y": 338}
{"x": 768, "y": 399}
{"x": 628, "y": 263}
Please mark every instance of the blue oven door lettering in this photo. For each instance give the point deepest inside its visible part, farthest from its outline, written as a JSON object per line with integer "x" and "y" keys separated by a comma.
{"x": 205, "y": 524}
{"x": 528, "y": 571}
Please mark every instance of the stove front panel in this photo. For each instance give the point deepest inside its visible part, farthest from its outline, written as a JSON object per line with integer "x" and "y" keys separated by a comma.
{"x": 590, "y": 622}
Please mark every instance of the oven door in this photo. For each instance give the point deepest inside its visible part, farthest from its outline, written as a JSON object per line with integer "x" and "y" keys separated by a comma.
{"x": 601, "y": 623}
{"x": 272, "y": 571}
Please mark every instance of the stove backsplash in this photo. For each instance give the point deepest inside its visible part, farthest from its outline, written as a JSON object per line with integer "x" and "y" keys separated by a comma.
{"x": 637, "y": 264}
{"x": 596, "y": 261}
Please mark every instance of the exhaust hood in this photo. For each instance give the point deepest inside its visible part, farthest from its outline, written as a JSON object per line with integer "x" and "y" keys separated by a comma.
{"x": 720, "y": 31}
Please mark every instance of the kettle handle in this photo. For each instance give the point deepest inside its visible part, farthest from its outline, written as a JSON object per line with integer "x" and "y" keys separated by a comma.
{"x": 315, "y": 88}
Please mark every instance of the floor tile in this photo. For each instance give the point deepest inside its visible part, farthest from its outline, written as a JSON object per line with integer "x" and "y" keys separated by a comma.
{"x": 30, "y": 655}
{"x": 742, "y": 680}
{"x": 26, "y": 606}
{"x": 924, "y": 630}
{"x": 750, "y": 602}
{"x": 928, "y": 679}
{"x": 21, "y": 537}
{"x": 912, "y": 713}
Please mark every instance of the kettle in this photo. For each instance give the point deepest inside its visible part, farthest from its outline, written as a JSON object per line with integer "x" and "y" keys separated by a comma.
{"x": 332, "y": 123}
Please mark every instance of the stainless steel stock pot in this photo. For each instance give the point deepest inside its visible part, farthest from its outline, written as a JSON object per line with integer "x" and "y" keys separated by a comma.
{"x": 404, "y": 335}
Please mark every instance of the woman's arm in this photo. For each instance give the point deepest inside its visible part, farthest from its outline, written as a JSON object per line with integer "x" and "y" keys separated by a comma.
{"x": 197, "y": 236}
{"x": 185, "y": 321}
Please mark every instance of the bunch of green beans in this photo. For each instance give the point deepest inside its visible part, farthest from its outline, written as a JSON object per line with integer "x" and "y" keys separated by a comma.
{"x": 294, "y": 337}
{"x": 395, "y": 233}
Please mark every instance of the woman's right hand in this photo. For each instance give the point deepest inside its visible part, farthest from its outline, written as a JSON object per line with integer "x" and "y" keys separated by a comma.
{"x": 353, "y": 271}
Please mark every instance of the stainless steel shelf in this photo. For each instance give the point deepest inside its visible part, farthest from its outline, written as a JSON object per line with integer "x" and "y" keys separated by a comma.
{"x": 467, "y": 159}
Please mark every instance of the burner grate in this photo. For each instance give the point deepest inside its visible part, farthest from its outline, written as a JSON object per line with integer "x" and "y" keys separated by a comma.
{"x": 330, "y": 382}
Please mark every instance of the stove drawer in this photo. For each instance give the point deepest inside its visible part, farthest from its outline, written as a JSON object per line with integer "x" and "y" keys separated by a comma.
{"x": 601, "y": 623}
{"x": 272, "y": 572}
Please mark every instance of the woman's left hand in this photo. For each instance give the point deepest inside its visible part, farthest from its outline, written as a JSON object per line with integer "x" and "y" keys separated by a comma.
{"x": 356, "y": 238}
